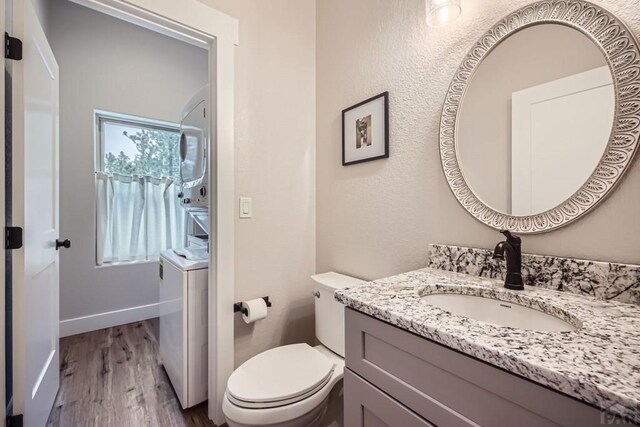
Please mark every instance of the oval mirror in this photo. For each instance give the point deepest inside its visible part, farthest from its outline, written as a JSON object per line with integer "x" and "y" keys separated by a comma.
{"x": 541, "y": 119}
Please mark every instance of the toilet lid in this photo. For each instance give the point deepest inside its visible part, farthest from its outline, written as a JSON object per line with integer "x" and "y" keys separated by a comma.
{"x": 283, "y": 374}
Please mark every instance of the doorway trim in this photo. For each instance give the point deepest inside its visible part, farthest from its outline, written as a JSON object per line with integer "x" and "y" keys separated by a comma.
{"x": 198, "y": 24}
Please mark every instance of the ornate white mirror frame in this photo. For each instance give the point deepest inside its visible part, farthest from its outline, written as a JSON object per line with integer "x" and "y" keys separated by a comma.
{"x": 620, "y": 49}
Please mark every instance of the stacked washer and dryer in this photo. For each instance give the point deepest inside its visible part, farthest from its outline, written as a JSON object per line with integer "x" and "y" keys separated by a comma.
{"x": 184, "y": 271}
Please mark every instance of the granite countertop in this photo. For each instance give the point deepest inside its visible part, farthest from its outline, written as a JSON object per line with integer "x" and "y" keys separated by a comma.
{"x": 599, "y": 363}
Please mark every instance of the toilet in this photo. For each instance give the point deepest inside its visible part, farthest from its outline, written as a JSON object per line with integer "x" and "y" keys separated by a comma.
{"x": 289, "y": 386}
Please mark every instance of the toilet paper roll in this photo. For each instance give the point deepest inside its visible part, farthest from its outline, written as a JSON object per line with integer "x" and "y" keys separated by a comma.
{"x": 256, "y": 310}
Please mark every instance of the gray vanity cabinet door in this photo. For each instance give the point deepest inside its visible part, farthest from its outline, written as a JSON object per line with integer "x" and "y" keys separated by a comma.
{"x": 449, "y": 388}
{"x": 366, "y": 406}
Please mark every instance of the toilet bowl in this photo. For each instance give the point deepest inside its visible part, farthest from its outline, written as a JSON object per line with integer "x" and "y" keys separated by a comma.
{"x": 289, "y": 386}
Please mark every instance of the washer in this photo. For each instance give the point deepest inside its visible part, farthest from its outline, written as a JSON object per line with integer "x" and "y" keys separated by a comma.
{"x": 183, "y": 325}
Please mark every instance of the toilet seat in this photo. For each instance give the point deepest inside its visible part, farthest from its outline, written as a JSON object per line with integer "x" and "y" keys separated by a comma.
{"x": 276, "y": 403}
{"x": 285, "y": 412}
{"x": 280, "y": 376}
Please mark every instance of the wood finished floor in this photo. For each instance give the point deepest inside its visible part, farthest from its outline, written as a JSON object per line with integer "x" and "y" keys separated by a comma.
{"x": 113, "y": 377}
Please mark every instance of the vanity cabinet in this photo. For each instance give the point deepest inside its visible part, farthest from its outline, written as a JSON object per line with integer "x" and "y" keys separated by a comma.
{"x": 396, "y": 378}
{"x": 374, "y": 408}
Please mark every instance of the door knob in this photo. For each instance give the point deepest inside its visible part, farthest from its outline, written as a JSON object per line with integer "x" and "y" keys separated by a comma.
{"x": 63, "y": 243}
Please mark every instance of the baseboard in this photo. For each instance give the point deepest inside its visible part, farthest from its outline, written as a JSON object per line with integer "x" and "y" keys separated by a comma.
{"x": 80, "y": 325}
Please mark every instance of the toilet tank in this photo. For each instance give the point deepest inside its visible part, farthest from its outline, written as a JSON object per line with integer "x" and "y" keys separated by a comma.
{"x": 329, "y": 312}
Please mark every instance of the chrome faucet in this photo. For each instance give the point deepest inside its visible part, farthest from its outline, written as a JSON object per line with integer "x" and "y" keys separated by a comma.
{"x": 510, "y": 249}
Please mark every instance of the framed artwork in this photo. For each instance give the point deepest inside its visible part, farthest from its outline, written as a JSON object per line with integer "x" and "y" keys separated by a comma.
{"x": 365, "y": 130}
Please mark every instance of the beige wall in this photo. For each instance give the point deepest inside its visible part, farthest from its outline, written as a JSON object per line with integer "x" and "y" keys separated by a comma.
{"x": 376, "y": 219}
{"x": 275, "y": 165}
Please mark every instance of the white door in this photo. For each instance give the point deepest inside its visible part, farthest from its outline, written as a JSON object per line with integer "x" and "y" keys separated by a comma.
{"x": 2, "y": 225}
{"x": 36, "y": 294}
{"x": 550, "y": 123}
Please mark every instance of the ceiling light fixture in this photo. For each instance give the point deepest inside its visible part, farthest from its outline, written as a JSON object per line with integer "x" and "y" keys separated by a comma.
{"x": 441, "y": 12}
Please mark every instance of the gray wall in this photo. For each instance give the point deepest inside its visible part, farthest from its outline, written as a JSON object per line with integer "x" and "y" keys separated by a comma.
{"x": 376, "y": 219}
{"x": 112, "y": 65}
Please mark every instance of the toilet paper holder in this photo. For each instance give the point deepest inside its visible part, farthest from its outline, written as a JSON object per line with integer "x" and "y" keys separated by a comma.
{"x": 238, "y": 306}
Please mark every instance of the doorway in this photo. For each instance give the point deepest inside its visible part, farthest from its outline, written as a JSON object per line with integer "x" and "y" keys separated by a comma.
{"x": 186, "y": 20}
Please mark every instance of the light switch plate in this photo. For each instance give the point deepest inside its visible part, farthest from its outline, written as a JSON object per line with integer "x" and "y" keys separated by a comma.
{"x": 246, "y": 209}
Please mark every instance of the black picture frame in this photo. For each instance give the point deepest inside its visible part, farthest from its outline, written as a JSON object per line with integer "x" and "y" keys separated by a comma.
{"x": 384, "y": 95}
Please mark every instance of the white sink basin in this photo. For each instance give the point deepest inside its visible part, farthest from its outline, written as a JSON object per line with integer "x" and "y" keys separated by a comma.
{"x": 498, "y": 312}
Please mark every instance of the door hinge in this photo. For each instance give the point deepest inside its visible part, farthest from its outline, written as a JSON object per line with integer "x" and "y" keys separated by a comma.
{"x": 14, "y": 421}
{"x": 12, "y": 47}
{"x": 205, "y": 112}
{"x": 13, "y": 237}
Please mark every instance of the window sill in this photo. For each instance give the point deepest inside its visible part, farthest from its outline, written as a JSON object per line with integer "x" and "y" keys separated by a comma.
{"x": 127, "y": 263}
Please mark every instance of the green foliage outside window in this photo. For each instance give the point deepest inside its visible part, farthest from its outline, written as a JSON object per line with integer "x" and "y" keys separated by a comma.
{"x": 157, "y": 155}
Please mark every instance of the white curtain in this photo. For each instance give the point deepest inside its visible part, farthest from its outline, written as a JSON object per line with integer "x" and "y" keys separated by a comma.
{"x": 136, "y": 217}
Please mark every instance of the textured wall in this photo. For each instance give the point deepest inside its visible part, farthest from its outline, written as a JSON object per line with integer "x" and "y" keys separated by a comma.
{"x": 275, "y": 165}
{"x": 132, "y": 71}
{"x": 376, "y": 219}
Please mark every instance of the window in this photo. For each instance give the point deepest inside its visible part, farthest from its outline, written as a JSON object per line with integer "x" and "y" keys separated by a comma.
{"x": 135, "y": 146}
{"x": 137, "y": 168}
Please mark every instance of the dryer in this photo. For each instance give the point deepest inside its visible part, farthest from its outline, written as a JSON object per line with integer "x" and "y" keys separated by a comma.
{"x": 194, "y": 143}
